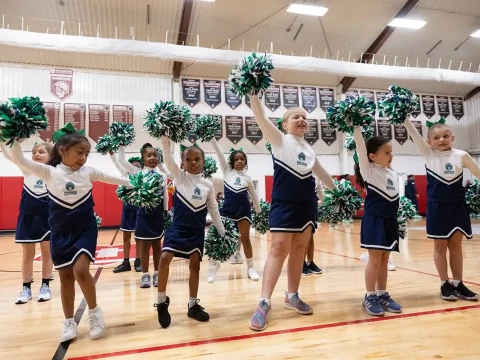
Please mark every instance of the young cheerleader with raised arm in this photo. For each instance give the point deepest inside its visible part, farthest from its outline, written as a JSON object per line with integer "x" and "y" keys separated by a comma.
{"x": 447, "y": 215}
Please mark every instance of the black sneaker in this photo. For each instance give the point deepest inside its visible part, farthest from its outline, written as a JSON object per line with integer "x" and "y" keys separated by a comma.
{"x": 447, "y": 292}
{"x": 196, "y": 312}
{"x": 164, "y": 317}
{"x": 314, "y": 268}
{"x": 464, "y": 293}
{"x": 306, "y": 271}
{"x": 124, "y": 266}
{"x": 137, "y": 265}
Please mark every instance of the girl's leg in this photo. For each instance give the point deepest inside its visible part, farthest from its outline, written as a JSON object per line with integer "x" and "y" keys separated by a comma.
{"x": 67, "y": 294}
{"x": 145, "y": 255}
{"x": 310, "y": 249}
{"x": 28, "y": 254}
{"x": 163, "y": 301}
{"x": 125, "y": 265}
{"x": 386, "y": 302}
{"x": 47, "y": 266}
{"x": 195, "y": 311}
{"x": 440, "y": 258}
{"x": 157, "y": 252}
{"x": 456, "y": 265}
{"x": 372, "y": 270}
{"x": 244, "y": 228}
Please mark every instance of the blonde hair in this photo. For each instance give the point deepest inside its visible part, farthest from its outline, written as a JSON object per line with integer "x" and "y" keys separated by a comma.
{"x": 289, "y": 113}
{"x": 48, "y": 147}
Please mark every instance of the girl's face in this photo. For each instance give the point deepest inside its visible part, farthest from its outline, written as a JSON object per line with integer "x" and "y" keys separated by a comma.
{"x": 40, "y": 154}
{"x": 296, "y": 123}
{"x": 193, "y": 161}
{"x": 75, "y": 156}
{"x": 383, "y": 156}
{"x": 239, "y": 162}
{"x": 150, "y": 158}
{"x": 441, "y": 138}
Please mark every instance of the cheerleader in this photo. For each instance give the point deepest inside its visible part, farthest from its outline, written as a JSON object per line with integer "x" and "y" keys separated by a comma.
{"x": 379, "y": 229}
{"x": 129, "y": 221}
{"x": 447, "y": 215}
{"x": 236, "y": 206}
{"x": 73, "y": 237}
{"x": 32, "y": 225}
{"x": 150, "y": 222}
{"x": 185, "y": 237}
{"x": 293, "y": 213}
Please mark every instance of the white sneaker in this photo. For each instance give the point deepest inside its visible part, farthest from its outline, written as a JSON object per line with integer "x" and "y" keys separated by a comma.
{"x": 96, "y": 323}
{"x": 233, "y": 259}
{"x": 364, "y": 257}
{"x": 24, "y": 296}
{"x": 70, "y": 330}
{"x": 212, "y": 271}
{"x": 44, "y": 294}
{"x": 252, "y": 274}
{"x": 391, "y": 266}
{"x": 239, "y": 258}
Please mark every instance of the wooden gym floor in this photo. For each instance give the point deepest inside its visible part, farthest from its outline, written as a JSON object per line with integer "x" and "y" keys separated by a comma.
{"x": 429, "y": 328}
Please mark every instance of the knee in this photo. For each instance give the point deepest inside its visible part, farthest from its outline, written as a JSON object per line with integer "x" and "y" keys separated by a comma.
{"x": 67, "y": 278}
{"x": 455, "y": 245}
{"x": 279, "y": 250}
{"x": 194, "y": 266}
{"x": 165, "y": 260}
{"x": 81, "y": 274}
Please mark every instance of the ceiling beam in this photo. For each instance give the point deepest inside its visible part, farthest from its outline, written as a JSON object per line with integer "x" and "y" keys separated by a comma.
{"x": 347, "y": 81}
{"x": 472, "y": 93}
{"x": 183, "y": 34}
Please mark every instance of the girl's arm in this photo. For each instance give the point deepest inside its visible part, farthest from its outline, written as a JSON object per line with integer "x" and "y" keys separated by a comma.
{"x": 98, "y": 175}
{"x": 6, "y": 153}
{"x": 35, "y": 168}
{"x": 323, "y": 175}
{"x": 362, "y": 155}
{"x": 214, "y": 213}
{"x": 221, "y": 159}
{"x": 165, "y": 195}
{"x": 119, "y": 167}
{"x": 470, "y": 164}
{"x": 164, "y": 170}
{"x": 172, "y": 167}
{"x": 124, "y": 163}
{"x": 423, "y": 148}
{"x": 270, "y": 131}
{"x": 253, "y": 194}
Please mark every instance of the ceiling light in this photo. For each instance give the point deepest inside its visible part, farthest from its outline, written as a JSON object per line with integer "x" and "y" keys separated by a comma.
{"x": 408, "y": 24}
{"x": 476, "y": 33}
{"x": 307, "y": 9}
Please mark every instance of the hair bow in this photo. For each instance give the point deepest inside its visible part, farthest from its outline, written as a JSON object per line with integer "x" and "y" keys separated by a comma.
{"x": 67, "y": 129}
{"x": 183, "y": 147}
{"x": 135, "y": 158}
{"x": 431, "y": 123}
{"x": 232, "y": 150}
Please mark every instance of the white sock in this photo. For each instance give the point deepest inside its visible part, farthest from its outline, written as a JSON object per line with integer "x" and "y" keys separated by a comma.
{"x": 443, "y": 282}
{"x": 237, "y": 252}
{"x": 381, "y": 292}
{"x": 456, "y": 282}
{"x": 146, "y": 273}
{"x": 91, "y": 311}
{"x": 371, "y": 293}
{"x": 192, "y": 301}
{"x": 155, "y": 273}
{"x": 161, "y": 297}
{"x": 249, "y": 263}
{"x": 268, "y": 301}
{"x": 290, "y": 295}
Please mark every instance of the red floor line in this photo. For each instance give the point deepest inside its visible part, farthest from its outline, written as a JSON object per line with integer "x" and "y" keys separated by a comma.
{"x": 270, "y": 333}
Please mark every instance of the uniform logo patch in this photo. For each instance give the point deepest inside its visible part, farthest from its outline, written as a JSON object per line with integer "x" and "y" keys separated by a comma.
{"x": 39, "y": 184}
{"x": 70, "y": 187}
{"x": 197, "y": 194}
{"x": 390, "y": 185}
{"x": 301, "y": 159}
{"x": 449, "y": 169}
{"x": 237, "y": 181}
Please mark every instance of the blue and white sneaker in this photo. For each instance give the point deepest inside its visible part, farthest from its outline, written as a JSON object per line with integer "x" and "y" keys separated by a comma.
{"x": 372, "y": 306}
{"x": 388, "y": 304}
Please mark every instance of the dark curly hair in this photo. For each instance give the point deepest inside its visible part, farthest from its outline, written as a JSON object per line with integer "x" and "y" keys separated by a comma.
{"x": 231, "y": 158}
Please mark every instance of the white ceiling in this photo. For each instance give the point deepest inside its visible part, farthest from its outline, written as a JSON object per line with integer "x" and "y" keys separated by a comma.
{"x": 348, "y": 28}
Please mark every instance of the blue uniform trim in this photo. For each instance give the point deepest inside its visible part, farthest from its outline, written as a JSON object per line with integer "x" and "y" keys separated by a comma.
{"x": 70, "y": 205}
{"x": 288, "y": 168}
{"x": 186, "y": 202}
{"x": 381, "y": 192}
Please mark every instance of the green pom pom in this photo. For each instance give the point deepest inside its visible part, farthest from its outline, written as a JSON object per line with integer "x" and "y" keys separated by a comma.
{"x": 367, "y": 133}
{"x": 98, "y": 219}
{"x": 260, "y": 221}
{"x": 168, "y": 219}
{"x": 146, "y": 190}
{"x": 135, "y": 158}
{"x": 160, "y": 155}
{"x": 220, "y": 204}
{"x": 21, "y": 117}
{"x": 168, "y": 119}
{"x": 398, "y": 104}
{"x": 105, "y": 144}
{"x": 345, "y": 115}
{"x": 220, "y": 248}
{"x": 340, "y": 204}
{"x": 402, "y": 227}
{"x": 252, "y": 76}
{"x": 122, "y": 134}
{"x": 268, "y": 146}
{"x": 406, "y": 209}
{"x": 207, "y": 126}
{"x": 210, "y": 167}
{"x": 472, "y": 198}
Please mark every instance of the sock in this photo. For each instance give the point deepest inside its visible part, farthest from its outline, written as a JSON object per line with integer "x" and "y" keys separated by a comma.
{"x": 46, "y": 282}
{"x": 126, "y": 260}
{"x": 94, "y": 310}
{"x": 237, "y": 252}
{"x": 28, "y": 284}
{"x": 155, "y": 273}
{"x": 381, "y": 292}
{"x": 308, "y": 263}
{"x": 268, "y": 301}
{"x": 371, "y": 293}
{"x": 290, "y": 295}
{"x": 161, "y": 297}
{"x": 456, "y": 282}
{"x": 249, "y": 263}
{"x": 146, "y": 273}
{"x": 192, "y": 301}
{"x": 443, "y": 282}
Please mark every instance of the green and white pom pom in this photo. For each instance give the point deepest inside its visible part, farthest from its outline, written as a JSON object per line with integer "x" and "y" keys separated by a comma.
{"x": 21, "y": 117}
{"x": 402, "y": 227}
{"x": 168, "y": 219}
{"x": 206, "y": 126}
{"x": 252, "y": 76}
{"x": 98, "y": 219}
{"x": 146, "y": 191}
{"x": 472, "y": 198}
{"x": 345, "y": 115}
{"x": 135, "y": 159}
{"x": 367, "y": 133}
{"x": 105, "y": 144}
{"x": 122, "y": 134}
{"x": 160, "y": 155}
{"x": 268, "y": 146}
{"x": 398, "y": 104}
{"x": 260, "y": 221}
{"x": 220, "y": 204}
{"x": 406, "y": 209}
{"x": 341, "y": 204}
{"x": 210, "y": 167}
{"x": 168, "y": 119}
{"x": 218, "y": 247}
